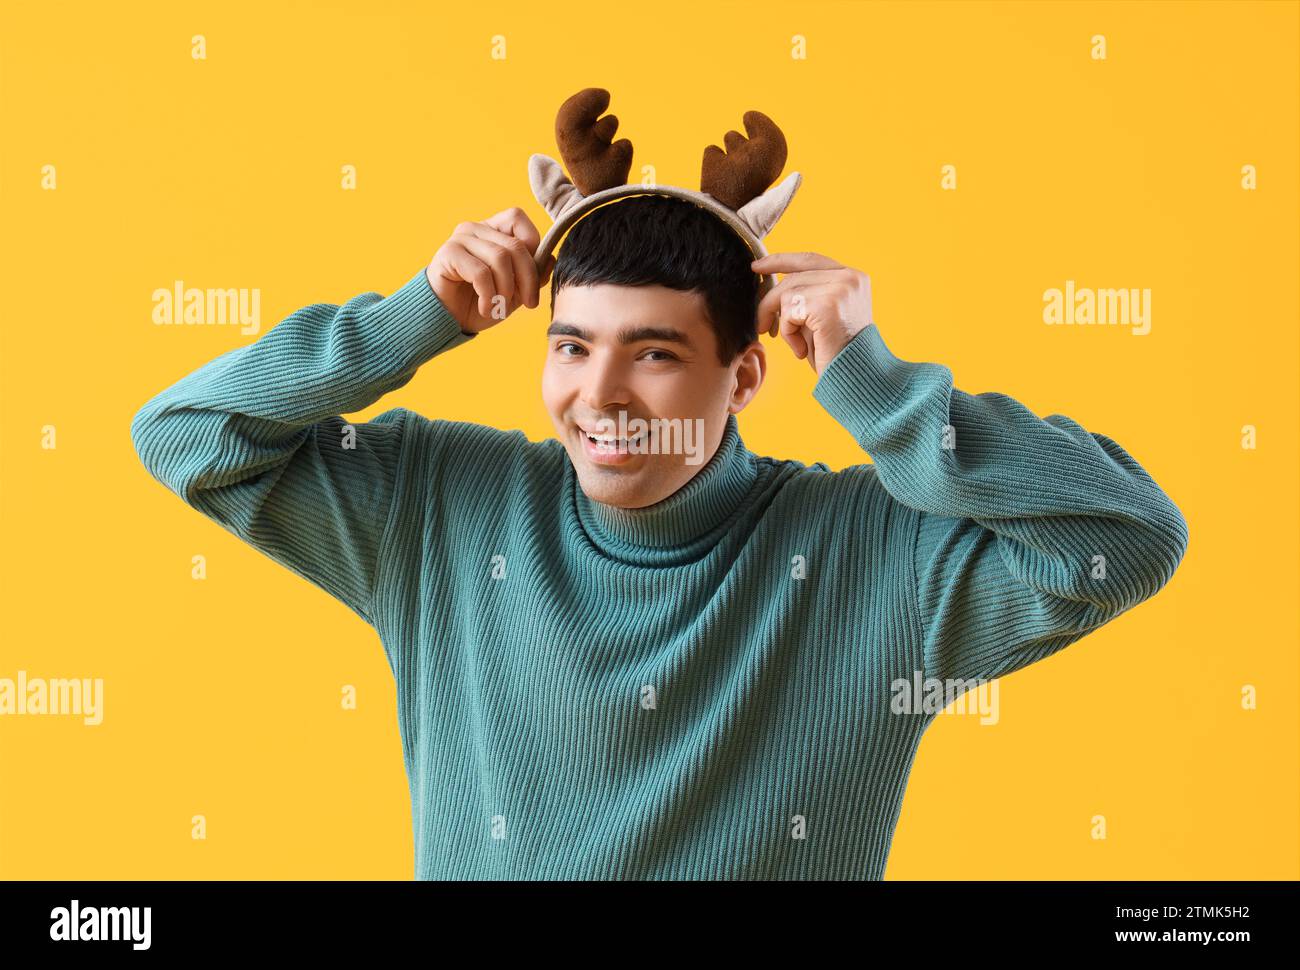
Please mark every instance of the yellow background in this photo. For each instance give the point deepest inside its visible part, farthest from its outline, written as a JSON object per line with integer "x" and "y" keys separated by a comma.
{"x": 222, "y": 696}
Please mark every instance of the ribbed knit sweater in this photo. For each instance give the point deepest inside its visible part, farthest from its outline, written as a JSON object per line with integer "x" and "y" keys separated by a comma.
{"x": 701, "y": 689}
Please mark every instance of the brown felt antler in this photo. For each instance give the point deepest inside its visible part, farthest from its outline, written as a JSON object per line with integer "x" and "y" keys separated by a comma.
{"x": 594, "y": 163}
{"x": 749, "y": 165}
{"x": 733, "y": 186}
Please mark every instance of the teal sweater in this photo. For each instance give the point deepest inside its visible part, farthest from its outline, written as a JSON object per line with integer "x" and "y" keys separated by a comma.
{"x": 697, "y": 690}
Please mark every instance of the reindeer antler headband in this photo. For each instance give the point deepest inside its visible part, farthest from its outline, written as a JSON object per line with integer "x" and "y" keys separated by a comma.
{"x": 733, "y": 186}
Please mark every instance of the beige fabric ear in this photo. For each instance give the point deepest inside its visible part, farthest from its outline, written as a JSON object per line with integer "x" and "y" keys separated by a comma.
{"x": 551, "y": 187}
{"x": 762, "y": 212}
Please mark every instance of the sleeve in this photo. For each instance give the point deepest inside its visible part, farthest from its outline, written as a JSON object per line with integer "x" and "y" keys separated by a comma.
{"x": 1031, "y": 531}
{"x": 254, "y": 439}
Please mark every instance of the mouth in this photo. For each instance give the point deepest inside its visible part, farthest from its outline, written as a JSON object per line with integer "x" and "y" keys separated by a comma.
{"x": 608, "y": 449}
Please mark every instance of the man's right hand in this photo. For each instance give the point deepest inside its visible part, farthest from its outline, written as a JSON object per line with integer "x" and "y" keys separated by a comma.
{"x": 485, "y": 260}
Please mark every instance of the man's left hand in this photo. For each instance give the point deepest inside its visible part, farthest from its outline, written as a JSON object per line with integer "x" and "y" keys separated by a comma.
{"x": 818, "y": 305}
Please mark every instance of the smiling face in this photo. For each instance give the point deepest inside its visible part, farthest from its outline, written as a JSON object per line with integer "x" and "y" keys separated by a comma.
{"x": 629, "y": 360}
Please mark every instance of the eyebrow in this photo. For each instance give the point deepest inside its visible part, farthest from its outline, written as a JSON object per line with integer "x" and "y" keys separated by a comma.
{"x": 628, "y": 335}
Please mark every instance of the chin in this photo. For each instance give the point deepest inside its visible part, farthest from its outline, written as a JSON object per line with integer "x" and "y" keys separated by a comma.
{"x": 633, "y": 487}
{"x": 599, "y": 487}
{"x": 621, "y": 488}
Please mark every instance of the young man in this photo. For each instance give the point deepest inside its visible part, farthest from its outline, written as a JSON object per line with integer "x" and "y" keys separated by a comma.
{"x": 614, "y": 662}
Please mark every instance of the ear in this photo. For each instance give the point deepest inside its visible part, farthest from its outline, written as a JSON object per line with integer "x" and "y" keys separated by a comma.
{"x": 762, "y": 212}
{"x": 749, "y": 377}
{"x": 551, "y": 187}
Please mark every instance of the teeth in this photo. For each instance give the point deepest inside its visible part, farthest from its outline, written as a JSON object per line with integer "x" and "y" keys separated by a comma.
{"x": 611, "y": 440}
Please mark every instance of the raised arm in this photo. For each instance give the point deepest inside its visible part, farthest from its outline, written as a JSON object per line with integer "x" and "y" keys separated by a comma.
{"x": 1032, "y": 531}
{"x": 255, "y": 439}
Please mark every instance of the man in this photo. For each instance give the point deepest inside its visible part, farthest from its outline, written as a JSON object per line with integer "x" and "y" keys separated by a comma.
{"x": 615, "y": 661}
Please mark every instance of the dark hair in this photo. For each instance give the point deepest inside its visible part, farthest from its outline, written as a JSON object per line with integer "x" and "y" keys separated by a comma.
{"x": 643, "y": 240}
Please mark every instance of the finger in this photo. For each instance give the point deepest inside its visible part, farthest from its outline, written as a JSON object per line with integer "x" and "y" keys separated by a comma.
{"x": 523, "y": 268}
{"x": 797, "y": 303}
{"x": 814, "y": 276}
{"x": 475, "y": 272}
{"x": 500, "y": 262}
{"x": 800, "y": 305}
{"x": 514, "y": 222}
{"x": 768, "y": 314}
{"x": 793, "y": 323}
{"x": 770, "y": 306}
{"x": 793, "y": 263}
{"x": 792, "y": 332}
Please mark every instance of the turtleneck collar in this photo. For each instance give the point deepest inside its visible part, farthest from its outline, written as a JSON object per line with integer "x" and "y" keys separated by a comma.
{"x": 686, "y": 523}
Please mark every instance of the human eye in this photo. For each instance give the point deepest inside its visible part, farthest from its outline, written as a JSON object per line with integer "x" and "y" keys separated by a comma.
{"x": 664, "y": 355}
{"x": 577, "y": 349}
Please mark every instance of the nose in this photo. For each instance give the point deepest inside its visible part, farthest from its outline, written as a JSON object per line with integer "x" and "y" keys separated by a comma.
{"x": 604, "y": 384}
